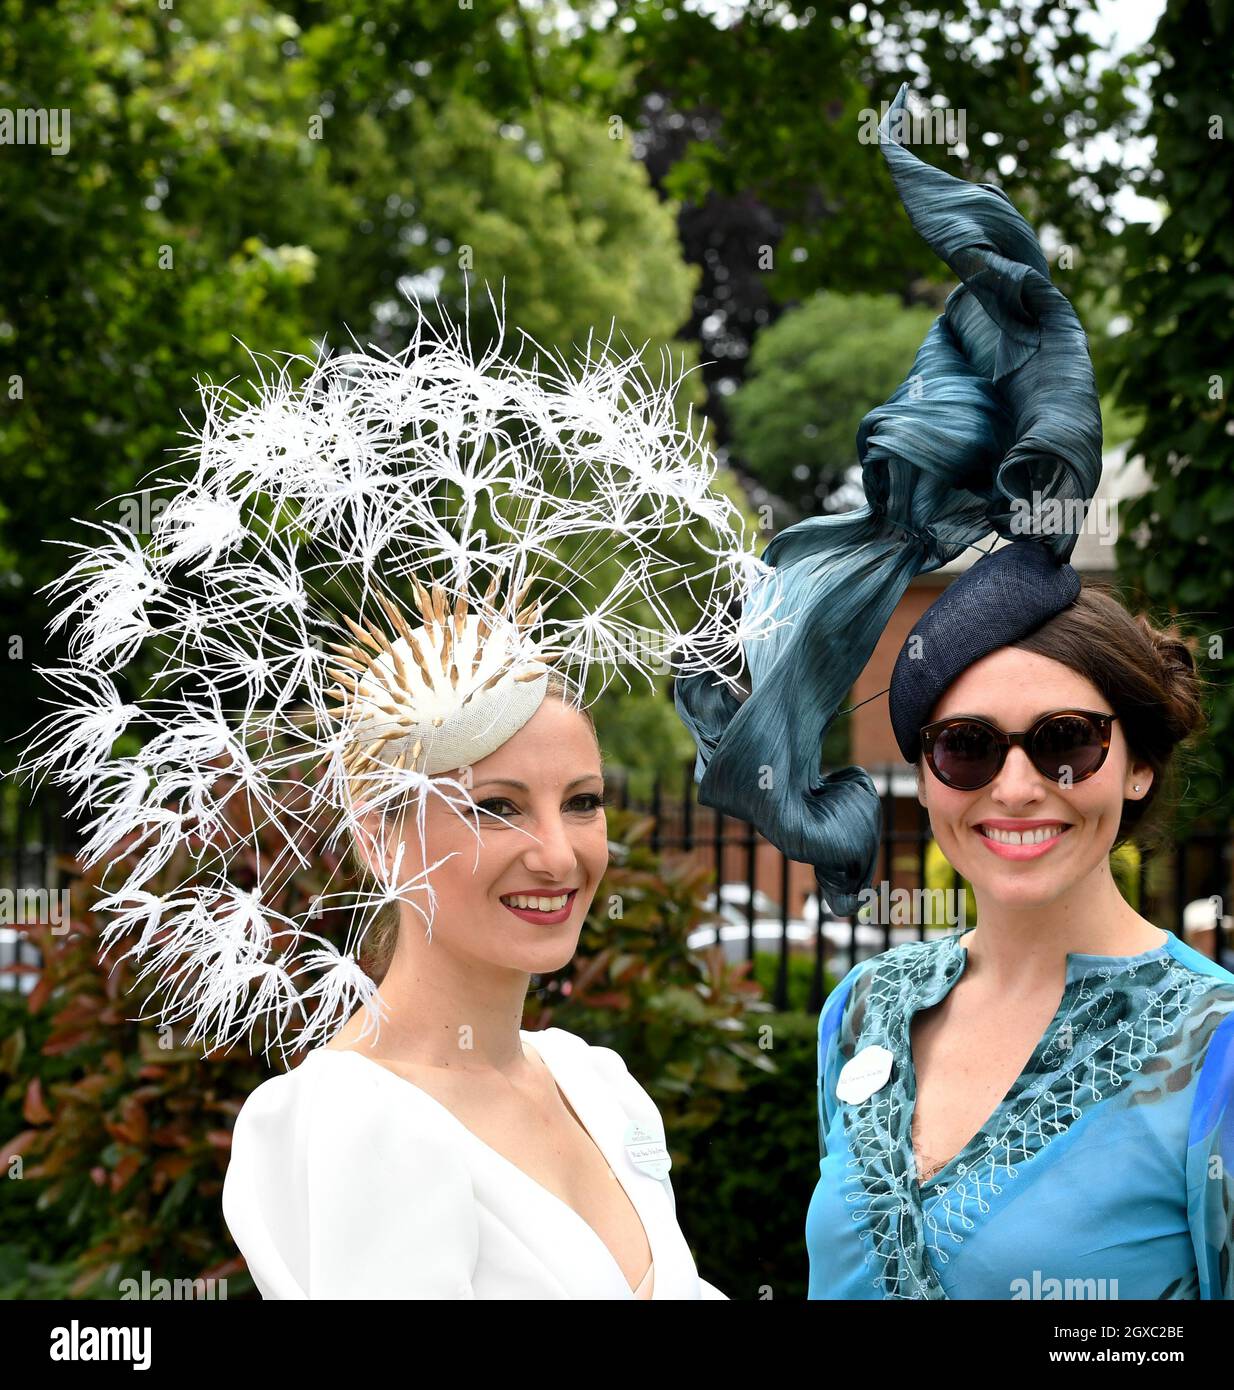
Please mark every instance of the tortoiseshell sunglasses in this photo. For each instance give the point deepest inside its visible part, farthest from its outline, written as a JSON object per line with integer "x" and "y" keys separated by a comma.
{"x": 1065, "y": 745}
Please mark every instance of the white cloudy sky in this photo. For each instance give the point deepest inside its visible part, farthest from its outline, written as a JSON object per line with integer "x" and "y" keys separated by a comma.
{"x": 1125, "y": 25}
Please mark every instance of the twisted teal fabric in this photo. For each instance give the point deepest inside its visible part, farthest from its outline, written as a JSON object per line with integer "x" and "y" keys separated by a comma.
{"x": 1000, "y": 405}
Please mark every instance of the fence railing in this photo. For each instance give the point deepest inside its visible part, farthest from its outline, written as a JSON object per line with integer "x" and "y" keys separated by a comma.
{"x": 771, "y": 904}
{"x": 32, "y": 839}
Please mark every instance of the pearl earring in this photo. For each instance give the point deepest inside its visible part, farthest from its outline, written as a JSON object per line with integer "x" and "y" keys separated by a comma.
{"x": 1137, "y": 786}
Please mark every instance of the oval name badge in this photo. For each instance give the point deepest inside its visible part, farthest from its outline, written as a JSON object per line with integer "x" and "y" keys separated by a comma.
{"x": 864, "y": 1074}
{"x": 647, "y": 1151}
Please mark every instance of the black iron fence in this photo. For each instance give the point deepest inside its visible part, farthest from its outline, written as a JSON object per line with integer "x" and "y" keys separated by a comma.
{"x": 767, "y": 909}
{"x": 32, "y": 840}
{"x": 770, "y": 906}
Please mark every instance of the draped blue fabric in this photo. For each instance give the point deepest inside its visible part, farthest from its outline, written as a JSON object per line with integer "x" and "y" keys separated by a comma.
{"x": 1000, "y": 407}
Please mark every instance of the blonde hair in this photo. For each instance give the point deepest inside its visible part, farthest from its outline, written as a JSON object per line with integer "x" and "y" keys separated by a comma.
{"x": 381, "y": 936}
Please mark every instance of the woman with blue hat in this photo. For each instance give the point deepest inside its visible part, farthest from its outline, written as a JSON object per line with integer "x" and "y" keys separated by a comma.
{"x": 1041, "y": 1106}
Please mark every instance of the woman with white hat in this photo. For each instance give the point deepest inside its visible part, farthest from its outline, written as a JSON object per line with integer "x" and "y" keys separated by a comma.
{"x": 378, "y": 598}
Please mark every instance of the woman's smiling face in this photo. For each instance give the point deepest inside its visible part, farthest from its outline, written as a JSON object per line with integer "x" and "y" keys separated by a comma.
{"x": 546, "y": 784}
{"x": 1012, "y": 688}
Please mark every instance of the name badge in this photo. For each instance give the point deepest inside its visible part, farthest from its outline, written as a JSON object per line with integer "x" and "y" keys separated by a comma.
{"x": 866, "y": 1073}
{"x": 646, "y": 1151}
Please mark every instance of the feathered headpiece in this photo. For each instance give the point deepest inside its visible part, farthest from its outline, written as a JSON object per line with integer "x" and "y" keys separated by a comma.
{"x": 361, "y": 583}
{"x": 996, "y": 424}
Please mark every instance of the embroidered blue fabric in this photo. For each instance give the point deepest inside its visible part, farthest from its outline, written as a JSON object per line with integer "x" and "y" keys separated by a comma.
{"x": 1107, "y": 1171}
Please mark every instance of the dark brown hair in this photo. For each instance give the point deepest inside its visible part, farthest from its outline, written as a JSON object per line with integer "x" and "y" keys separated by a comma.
{"x": 377, "y": 947}
{"x": 1149, "y": 677}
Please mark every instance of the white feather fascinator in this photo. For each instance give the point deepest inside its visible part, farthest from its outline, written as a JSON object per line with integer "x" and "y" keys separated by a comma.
{"x": 354, "y": 589}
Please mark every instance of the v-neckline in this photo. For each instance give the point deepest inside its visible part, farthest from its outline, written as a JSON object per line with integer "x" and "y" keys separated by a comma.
{"x": 1074, "y": 965}
{"x": 572, "y": 1105}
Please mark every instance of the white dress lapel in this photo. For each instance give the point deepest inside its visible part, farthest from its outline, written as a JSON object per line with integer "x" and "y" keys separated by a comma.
{"x": 607, "y": 1119}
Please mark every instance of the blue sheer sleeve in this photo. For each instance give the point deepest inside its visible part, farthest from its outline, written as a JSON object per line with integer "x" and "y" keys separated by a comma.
{"x": 1210, "y": 1167}
{"x": 830, "y": 1058}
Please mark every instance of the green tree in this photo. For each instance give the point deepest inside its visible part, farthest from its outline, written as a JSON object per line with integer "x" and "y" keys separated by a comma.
{"x": 813, "y": 375}
{"x": 766, "y": 106}
{"x": 1177, "y": 541}
{"x": 240, "y": 177}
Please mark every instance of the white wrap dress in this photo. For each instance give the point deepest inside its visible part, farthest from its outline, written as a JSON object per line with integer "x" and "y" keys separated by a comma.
{"x": 347, "y": 1180}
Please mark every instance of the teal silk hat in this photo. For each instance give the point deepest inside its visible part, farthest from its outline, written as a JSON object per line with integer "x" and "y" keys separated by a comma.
{"x": 997, "y": 424}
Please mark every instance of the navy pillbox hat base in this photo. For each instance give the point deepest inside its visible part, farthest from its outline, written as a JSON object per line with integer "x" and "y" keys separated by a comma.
{"x": 1003, "y": 597}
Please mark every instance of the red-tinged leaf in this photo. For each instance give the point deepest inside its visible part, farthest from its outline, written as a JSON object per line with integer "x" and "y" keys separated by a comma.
{"x": 136, "y": 1120}
{"x": 91, "y": 1088}
{"x": 85, "y": 1281}
{"x": 149, "y": 1093}
{"x": 123, "y": 1133}
{"x": 39, "y": 995}
{"x": 173, "y": 1136}
{"x": 169, "y": 1167}
{"x": 18, "y": 1144}
{"x": 590, "y": 971}
{"x": 627, "y": 967}
{"x": 59, "y": 1159}
{"x": 81, "y": 1008}
{"x": 612, "y": 1000}
{"x": 34, "y": 1108}
{"x": 125, "y": 1171}
{"x": 59, "y": 1045}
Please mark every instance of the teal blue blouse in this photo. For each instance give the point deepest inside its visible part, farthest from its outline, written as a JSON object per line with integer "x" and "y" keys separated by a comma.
{"x": 1107, "y": 1171}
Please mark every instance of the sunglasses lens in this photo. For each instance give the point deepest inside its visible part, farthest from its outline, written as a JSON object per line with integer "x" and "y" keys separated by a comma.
{"x": 1069, "y": 745}
{"x": 965, "y": 755}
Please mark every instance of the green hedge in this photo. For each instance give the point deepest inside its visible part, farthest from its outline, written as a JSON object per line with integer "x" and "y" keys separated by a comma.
{"x": 36, "y": 1250}
{"x": 743, "y": 1195}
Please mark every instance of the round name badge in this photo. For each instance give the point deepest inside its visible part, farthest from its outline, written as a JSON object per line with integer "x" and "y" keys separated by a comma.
{"x": 864, "y": 1074}
{"x": 646, "y": 1151}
